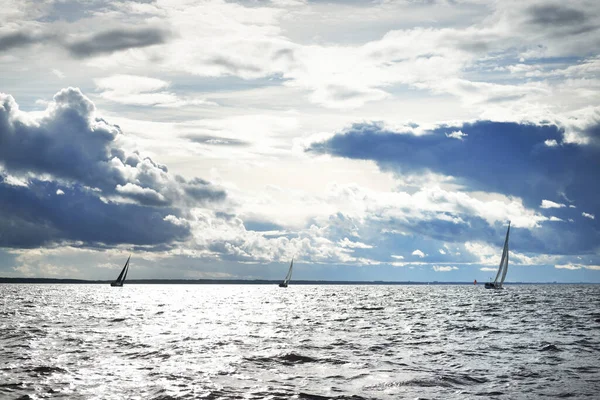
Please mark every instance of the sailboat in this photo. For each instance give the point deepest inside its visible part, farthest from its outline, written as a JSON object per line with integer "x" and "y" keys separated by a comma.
{"x": 503, "y": 268}
{"x": 287, "y": 278}
{"x": 122, "y": 275}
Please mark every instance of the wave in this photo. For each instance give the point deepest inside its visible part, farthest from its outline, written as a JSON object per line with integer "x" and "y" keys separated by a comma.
{"x": 550, "y": 347}
{"x": 46, "y": 370}
{"x": 293, "y": 358}
{"x": 308, "y": 396}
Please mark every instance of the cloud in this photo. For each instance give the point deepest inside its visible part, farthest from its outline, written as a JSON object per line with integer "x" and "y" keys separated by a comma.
{"x": 16, "y": 39}
{"x": 70, "y": 141}
{"x": 145, "y": 196}
{"x": 58, "y": 73}
{"x": 513, "y": 154}
{"x": 431, "y": 213}
{"x": 439, "y": 268}
{"x": 551, "y": 204}
{"x": 65, "y": 176}
{"x": 226, "y": 238}
{"x": 577, "y": 266}
{"x": 112, "y": 195}
{"x": 587, "y": 215}
{"x": 35, "y": 216}
{"x": 553, "y": 16}
{"x": 143, "y": 91}
{"x": 115, "y": 40}
{"x": 201, "y": 190}
{"x": 215, "y": 140}
{"x": 224, "y": 39}
{"x": 96, "y": 44}
{"x": 491, "y": 150}
{"x": 456, "y": 135}
{"x": 14, "y": 181}
{"x": 418, "y": 253}
{"x": 568, "y": 266}
{"x": 220, "y": 39}
{"x": 488, "y": 269}
{"x": 354, "y": 245}
{"x": 130, "y": 83}
{"x": 427, "y": 218}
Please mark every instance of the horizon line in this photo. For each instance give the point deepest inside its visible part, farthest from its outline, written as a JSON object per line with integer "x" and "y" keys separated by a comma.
{"x": 202, "y": 281}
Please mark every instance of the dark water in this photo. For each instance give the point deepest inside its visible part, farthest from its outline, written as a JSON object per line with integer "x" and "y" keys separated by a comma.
{"x": 303, "y": 342}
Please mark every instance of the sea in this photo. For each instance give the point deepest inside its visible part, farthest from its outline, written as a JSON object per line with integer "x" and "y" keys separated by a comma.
{"x": 79, "y": 341}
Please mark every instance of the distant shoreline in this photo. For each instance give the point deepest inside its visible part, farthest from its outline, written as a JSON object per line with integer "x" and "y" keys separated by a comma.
{"x": 260, "y": 282}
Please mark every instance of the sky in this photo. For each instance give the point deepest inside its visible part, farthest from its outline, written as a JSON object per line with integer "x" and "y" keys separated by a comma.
{"x": 368, "y": 140}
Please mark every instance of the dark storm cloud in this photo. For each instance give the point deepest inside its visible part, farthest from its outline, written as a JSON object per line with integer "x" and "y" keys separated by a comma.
{"x": 553, "y": 15}
{"x": 67, "y": 143}
{"x": 201, "y": 190}
{"x": 35, "y": 215}
{"x": 561, "y": 20}
{"x": 17, "y": 40}
{"x": 105, "y": 42}
{"x": 70, "y": 142}
{"x": 491, "y": 156}
{"x": 117, "y": 39}
{"x": 507, "y": 158}
{"x": 215, "y": 140}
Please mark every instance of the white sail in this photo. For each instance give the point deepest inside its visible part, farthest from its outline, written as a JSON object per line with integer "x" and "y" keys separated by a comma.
{"x": 500, "y": 267}
{"x": 503, "y": 267}
{"x": 287, "y": 278}
{"x": 289, "y": 274}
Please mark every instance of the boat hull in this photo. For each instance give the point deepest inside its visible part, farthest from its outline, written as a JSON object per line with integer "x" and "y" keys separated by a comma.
{"x": 283, "y": 285}
{"x": 116, "y": 284}
{"x": 492, "y": 286}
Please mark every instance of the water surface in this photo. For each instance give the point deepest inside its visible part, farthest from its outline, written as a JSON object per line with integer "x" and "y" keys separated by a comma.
{"x": 303, "y": 342}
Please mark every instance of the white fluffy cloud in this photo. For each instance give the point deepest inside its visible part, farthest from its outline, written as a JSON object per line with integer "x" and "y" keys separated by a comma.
{"x": 457, "y": 135}
{"x": 441, "y": 268}
{"x": 418, "y": 253}
{"x": 551, "y": 204}
{"x": 228, "y": 238}
{"x": 577, "y": 266}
